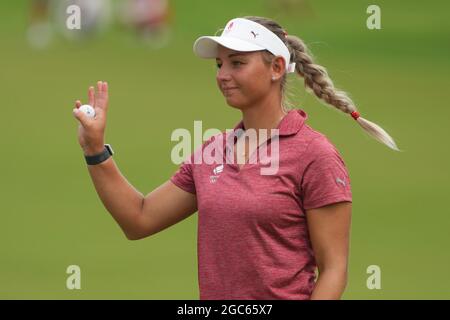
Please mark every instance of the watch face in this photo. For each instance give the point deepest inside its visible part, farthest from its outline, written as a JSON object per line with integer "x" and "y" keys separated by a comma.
{"x": 110, "y": 150}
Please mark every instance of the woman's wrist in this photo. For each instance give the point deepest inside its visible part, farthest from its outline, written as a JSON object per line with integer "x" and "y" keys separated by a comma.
{"x": 92, "y": 151}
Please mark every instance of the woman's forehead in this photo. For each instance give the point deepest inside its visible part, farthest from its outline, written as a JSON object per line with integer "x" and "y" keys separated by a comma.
{"x": 224, "y": 52}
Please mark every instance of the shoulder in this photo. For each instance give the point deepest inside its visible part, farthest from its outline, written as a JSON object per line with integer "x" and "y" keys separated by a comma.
{"x": 318, "y": 145}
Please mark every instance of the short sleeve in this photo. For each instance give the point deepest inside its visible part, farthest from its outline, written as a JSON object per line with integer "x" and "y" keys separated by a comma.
{"x": 325, "y": 181}
{"x": 184, "y": 176}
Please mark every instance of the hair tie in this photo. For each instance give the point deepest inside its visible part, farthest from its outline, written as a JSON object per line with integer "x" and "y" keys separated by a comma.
{"x": 355, "y": 115}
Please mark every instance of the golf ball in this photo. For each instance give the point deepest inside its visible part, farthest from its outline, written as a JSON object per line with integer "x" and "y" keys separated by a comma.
{"x": 88, "y": 110}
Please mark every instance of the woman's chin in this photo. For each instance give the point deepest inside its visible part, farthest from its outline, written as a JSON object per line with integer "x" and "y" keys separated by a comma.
{"x": 234, "y": 104}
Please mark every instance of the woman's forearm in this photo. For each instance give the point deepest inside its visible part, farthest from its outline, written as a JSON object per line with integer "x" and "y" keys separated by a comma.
{"x": 119, "y": 197}
{"x": 330, "y": 285}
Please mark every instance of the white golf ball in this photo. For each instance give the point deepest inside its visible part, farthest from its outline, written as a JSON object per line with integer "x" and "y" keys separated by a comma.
{"x": 88, "y": 110}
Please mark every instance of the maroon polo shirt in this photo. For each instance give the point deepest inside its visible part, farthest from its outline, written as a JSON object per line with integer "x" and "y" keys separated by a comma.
{"x": 253, "y": 240}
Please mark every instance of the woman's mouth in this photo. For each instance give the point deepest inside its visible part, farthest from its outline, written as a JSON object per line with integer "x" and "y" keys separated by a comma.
{"x": 227, "y": 90}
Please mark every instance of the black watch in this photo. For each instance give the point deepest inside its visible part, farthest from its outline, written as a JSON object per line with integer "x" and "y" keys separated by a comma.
{"x": 99, "y": 158}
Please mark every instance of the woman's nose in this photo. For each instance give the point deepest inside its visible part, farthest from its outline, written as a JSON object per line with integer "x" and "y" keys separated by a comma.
{"x": 223, "y": 74}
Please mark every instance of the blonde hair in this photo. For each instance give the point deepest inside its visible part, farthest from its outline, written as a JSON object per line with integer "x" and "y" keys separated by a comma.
{"x": 317, "y": 80}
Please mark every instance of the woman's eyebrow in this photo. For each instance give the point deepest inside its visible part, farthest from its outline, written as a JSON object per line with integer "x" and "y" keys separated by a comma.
{"x": 235, "y": 54}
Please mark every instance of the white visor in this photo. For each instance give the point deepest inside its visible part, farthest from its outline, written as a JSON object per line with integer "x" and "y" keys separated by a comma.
{"x": 244, "y": 35}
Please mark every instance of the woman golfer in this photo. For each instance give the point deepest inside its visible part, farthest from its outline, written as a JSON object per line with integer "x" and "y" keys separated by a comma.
{"x": 260, "y": 236}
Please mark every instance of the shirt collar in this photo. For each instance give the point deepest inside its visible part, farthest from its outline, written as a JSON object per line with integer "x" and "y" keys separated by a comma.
{"x": 291, "y": 123}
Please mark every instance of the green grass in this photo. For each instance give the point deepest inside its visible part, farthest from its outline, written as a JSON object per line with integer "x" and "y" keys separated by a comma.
{"x": 52, "y": 217}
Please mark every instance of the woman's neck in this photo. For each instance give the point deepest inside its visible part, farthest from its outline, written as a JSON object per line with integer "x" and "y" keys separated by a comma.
{"x": 264, "y": 116}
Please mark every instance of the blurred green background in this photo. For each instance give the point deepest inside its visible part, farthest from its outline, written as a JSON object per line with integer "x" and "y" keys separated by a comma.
{"x": 51, "y": 216}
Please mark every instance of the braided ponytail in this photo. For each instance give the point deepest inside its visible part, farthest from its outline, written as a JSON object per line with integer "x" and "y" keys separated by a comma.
{"x": 318, "y": 81}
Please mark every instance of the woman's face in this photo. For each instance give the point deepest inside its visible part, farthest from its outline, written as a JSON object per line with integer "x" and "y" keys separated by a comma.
{"x": 243, "y": 77}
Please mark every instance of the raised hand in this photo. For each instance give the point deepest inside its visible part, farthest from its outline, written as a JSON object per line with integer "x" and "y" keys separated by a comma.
{"x": 91, "y": 131}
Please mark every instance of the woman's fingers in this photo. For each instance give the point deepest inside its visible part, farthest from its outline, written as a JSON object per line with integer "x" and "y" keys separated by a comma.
{"x": 81, "y": 117}
{"x": 91, "y": 96}
{"x": 99, "y": 90}
{"x": 102, "y": 95}
{"x": 105, "y": 95}
{"x": 97, "y": 99}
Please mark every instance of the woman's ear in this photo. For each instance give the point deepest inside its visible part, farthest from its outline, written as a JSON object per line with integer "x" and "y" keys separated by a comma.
{"x": 278, "y": 68}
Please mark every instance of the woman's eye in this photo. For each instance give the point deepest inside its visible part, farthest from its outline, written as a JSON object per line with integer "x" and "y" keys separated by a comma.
{"x": 234, "y": 63}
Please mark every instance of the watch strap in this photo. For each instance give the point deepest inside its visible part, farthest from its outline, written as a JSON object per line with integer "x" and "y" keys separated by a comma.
{"x": 99, "y": 158}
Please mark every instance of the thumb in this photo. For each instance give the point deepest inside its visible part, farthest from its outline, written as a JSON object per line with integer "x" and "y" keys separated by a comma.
{"x": 80, "y": 116}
